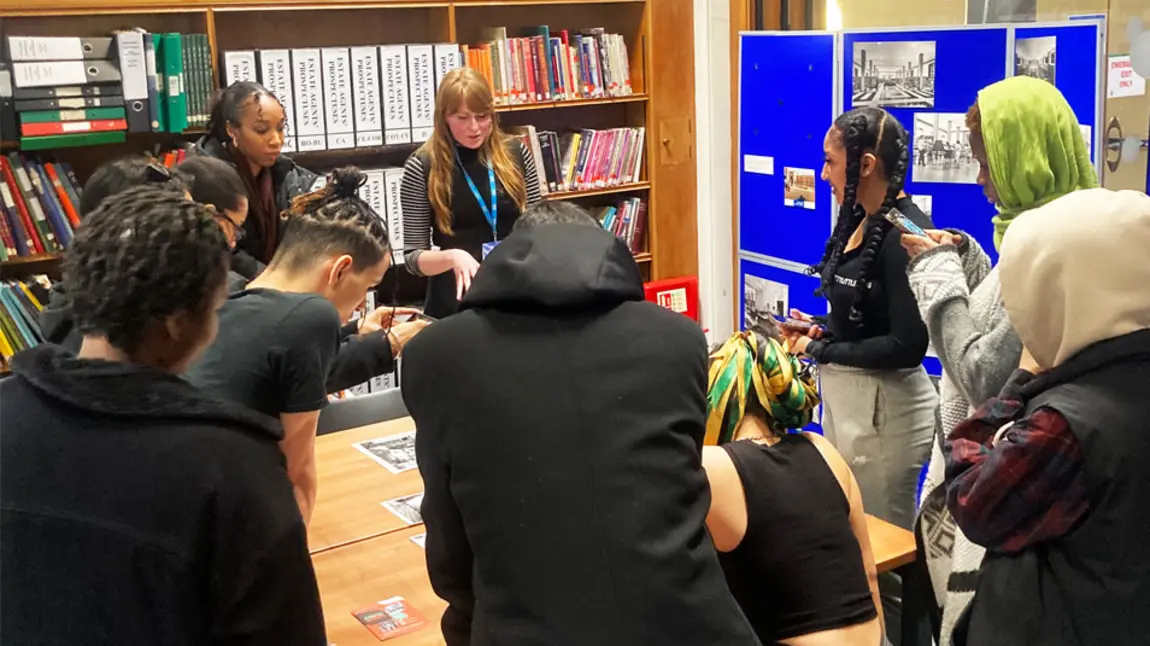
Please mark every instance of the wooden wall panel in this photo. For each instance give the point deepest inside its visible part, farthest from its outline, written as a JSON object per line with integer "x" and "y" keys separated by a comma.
{"x": 672, "y": 162}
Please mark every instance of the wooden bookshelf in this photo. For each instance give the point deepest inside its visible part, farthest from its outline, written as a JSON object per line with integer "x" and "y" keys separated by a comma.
{"x": 658, "y": 34}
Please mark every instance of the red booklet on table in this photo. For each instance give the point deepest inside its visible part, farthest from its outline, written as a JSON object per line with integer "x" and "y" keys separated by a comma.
{"x": 390, "y": 618}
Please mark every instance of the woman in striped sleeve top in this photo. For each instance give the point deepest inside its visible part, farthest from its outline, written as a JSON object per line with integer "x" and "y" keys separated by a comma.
{"x": 462, "y": 190}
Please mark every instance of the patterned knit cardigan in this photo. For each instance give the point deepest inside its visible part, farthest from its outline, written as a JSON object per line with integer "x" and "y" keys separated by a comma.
{"x": 959, "y": 299}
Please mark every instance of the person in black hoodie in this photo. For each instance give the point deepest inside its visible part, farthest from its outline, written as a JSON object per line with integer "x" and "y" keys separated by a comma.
{"x": 109, "y": 179}
{"x": 560, "y": 423}
{"x": 137, "y": 509}
{"x": 246, "y": 129}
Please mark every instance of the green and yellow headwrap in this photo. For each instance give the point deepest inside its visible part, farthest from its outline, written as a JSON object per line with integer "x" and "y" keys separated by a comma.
{"x": 749, "y": 363}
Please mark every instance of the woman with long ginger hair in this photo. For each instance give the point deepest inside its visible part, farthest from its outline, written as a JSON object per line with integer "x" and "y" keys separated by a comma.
{"x": 462, "y": 190}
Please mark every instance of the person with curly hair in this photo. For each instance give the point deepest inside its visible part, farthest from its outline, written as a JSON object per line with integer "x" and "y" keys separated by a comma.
{"x": 111, "y": 178}
{"x": 157, "y": 513}
{"x": 878, "y": 402}
{"x": 1030, "y": 151}
{"x": 280, "y": 336}
{"x": 786, "y": 514}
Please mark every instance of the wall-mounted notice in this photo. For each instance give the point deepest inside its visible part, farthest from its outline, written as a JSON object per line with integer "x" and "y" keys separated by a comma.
{"x": 1122, "y": 80}
{"x": 759, "y": 164}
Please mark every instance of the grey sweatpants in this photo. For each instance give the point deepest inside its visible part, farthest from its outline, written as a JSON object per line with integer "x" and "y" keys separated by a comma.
{"x": 882, "y": 422}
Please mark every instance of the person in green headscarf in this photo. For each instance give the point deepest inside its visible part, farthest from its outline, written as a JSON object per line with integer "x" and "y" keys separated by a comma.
{"x": 1030, "y": 150}
{"x": 786, "y": 513}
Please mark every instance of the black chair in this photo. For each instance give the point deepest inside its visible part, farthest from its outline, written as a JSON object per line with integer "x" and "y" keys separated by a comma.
{"x": 361, "y": 411}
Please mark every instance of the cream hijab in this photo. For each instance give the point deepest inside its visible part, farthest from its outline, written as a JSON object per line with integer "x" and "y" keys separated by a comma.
{"x": 1076, "y": 271}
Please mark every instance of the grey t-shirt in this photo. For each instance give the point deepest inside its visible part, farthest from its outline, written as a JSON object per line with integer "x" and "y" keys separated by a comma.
{"x": 273, "y": 351}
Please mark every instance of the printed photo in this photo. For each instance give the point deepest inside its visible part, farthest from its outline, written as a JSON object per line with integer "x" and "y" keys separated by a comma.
{"x": 763, "y": 298}
{"x": 799, "y": 187}
{"x": 925, "y": 203}
{"x": 1035, "y": 57}
{"x": 407, "y": 508}
{"x": 942, "y": 149}
{"x": 420, "y": 540}
{"x": 395, "y": 452}
{"x": 896, "y": 75}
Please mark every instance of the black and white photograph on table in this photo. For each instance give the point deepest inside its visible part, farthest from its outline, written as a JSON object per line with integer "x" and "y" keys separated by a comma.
{"x": 893, "y": 74}
{"x": 925, "y": 203}
{"x": 420, "y": 540}
{"x": 406, "y": 508}
{"x": 762, "y": 299}
{"x": 942, "y": 149}
{"x": 1036, "y": 57}
{"x": 395, "y": 452}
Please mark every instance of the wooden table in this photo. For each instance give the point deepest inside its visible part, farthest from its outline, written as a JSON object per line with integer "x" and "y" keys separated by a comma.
{"x": 893, "y": 546}
{"x": 352, "y": 487}
{"x": 356, "y": 576}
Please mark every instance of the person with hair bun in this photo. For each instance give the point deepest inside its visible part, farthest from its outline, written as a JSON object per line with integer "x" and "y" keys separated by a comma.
{"x": 279, "y": 337}
{"x": 462, "y": 190}
{"x": 878, "y": 402}
{"x": 246, "y": 129}
{"x": 157, "y": 513}
{"x": 786, "y": 514}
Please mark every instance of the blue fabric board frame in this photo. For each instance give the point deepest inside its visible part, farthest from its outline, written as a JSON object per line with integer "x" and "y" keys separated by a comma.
{"x": 967, "y": 60}
{"x": 788, "y": 126}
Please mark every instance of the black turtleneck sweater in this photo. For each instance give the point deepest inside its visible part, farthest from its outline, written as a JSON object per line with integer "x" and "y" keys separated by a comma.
{"x": 470, "y": 228}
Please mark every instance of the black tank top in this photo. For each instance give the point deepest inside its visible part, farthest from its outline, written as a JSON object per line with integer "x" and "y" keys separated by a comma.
{"x": 799, "y": 568}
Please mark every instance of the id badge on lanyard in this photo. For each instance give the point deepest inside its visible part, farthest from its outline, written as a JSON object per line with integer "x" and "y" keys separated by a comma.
{"x": 490, "y": 214}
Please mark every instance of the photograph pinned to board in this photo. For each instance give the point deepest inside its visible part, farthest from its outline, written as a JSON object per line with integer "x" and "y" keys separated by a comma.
{"x": 1035, "y": 57}
{"x": 763, "y": 299}
{"x": 395, "y": 452}
{"x": 893, "y": 74}
{"x": 942, "y": 149}
{"x": 925, "y": 203}
{"x": 406, "y": 508}
{"x": 420, "y": 540}
{"x": 799, "y": 187}
{"x": 985, "y": 12}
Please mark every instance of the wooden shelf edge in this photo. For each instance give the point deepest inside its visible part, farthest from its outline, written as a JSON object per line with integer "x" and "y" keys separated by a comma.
{"x": 622, "y": 188}
{"x": 571, "y": 103}
{"x": 22, "y": 261}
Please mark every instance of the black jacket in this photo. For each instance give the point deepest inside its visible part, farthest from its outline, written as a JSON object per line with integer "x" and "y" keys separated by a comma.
{"x": 289, "y": 179}
{"x": 1091, "y": 586}
{"x": 360, "y": 358}
{"x": 137, "y": 510}
{"x": 560, "y": 421}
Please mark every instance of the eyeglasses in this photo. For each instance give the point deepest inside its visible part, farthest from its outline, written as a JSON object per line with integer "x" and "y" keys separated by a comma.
{"x": 237, "y": 230}
{"x": 158, "y": 173}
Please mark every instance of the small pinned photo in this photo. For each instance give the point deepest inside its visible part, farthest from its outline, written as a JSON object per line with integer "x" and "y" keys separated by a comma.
{"x": 799, "y": 187}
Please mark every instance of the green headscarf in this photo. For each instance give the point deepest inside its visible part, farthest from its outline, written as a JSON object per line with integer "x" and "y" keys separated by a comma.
{"x": 1034, "y": 145}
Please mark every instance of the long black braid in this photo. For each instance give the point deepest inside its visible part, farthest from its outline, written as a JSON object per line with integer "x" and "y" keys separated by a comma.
{"x": 864, "y": 130}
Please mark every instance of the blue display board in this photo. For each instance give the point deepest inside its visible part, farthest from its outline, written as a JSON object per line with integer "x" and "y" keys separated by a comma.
{"x": 965, "y": 61}
{"x": 786, "y": 104}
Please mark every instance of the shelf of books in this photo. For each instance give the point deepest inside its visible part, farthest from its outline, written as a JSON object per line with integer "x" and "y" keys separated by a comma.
{"x": 81, "y": 84}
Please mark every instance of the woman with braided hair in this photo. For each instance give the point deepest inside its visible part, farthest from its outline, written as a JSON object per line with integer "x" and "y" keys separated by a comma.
{"x": 786, "y": 513}
{"x": 879, "y": 403}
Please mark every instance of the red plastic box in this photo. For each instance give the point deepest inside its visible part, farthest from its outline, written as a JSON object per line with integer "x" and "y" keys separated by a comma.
{"x": 676, "y": 294}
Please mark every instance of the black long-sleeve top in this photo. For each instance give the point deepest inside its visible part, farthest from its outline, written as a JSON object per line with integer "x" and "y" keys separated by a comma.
{"x": 892, "y": 334}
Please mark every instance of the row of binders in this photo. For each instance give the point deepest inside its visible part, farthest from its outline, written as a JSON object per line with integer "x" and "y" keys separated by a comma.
{"x": 20, "y": 305}
{"x": 67, "y": 91}
{"x": 40, "y": 204}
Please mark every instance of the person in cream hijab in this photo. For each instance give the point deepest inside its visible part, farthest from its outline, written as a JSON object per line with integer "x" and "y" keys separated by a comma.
{"x": 1052, "y": 475}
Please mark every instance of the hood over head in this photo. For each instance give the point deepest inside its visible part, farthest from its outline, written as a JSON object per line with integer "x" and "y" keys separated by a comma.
{"x": 557, "y": 267}
{"x": 1075, "y": 272}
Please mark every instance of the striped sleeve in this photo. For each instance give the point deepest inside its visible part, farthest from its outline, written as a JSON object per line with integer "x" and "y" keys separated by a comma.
{"x": 530, "y": 175}
{"x": 416, "y": 211}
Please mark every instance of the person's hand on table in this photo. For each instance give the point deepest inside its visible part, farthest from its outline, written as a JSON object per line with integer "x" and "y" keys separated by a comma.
{"x": 382, "y": 318}
{"x": 916, "y": 245}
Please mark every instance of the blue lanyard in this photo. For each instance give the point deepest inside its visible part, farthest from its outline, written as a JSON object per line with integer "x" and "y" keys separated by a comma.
{"x": 492, "y": 213}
